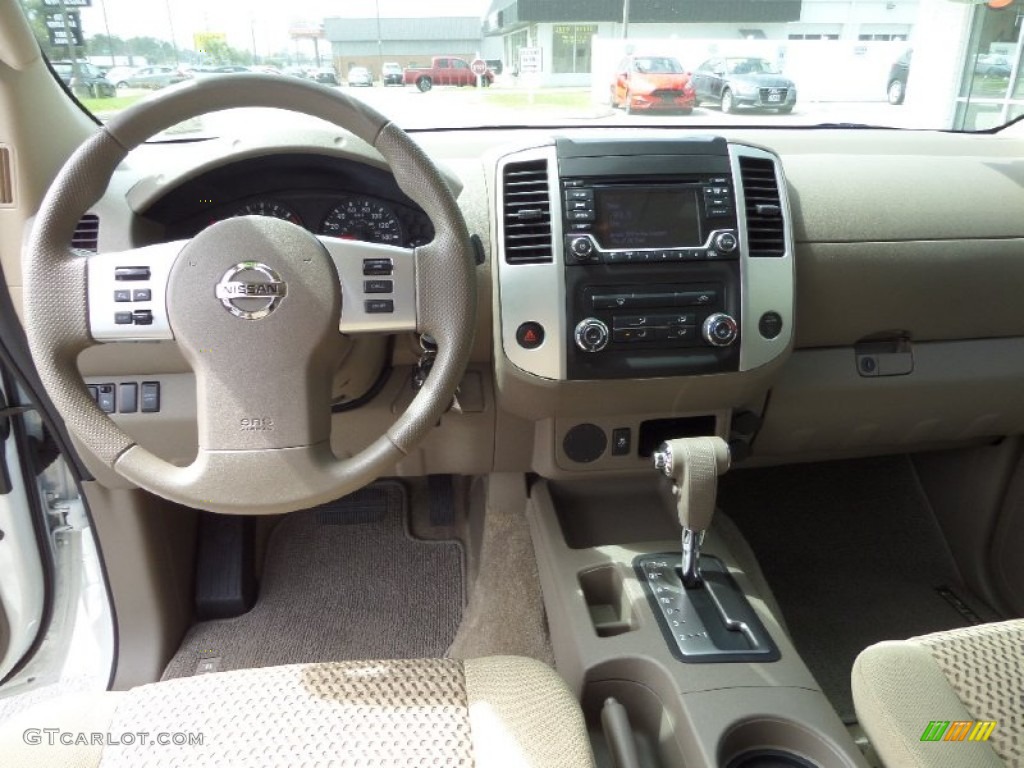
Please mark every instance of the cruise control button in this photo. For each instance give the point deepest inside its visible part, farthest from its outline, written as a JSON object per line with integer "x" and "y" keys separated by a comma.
{"x": 379, "y": 306}
{"x": 378, "y": 266}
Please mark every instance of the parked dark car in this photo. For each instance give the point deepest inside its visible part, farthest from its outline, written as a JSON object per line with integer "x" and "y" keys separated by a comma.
{"x": 326, "y": 75}
{"x": 896, "y": 86}
{"x": 497, "y": 66}
{"x": 391, "y": 73}
{"x": 744, "y": 81}
{"x": 992, "y": 65}
{"x": 91, "y": 76}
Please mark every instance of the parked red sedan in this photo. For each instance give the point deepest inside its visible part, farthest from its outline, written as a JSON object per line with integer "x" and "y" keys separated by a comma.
{"x": 652, "y": 83}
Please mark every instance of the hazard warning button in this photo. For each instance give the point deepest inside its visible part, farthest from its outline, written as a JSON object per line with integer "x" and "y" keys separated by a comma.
{"x": 530, "y": 335}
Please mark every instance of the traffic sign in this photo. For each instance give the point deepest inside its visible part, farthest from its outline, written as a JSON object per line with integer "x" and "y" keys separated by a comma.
{"x": 479, "y": 67}
{"x": 531, "y": 61}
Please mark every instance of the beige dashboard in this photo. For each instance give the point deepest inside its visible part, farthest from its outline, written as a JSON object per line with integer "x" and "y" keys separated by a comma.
{"x": 907, "y": 249}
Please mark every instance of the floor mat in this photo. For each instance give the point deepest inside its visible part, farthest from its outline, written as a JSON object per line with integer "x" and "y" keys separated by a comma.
{"x": 853, "y": 555}
{"x": 341, "y": 581}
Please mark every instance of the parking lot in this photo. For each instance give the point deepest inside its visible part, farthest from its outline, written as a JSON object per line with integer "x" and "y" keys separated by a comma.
{"x": 554, "y": 106}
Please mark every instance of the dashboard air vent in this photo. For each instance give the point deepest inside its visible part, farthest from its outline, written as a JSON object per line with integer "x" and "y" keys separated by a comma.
{"x": 765, "y": 229}
{"x": 527, "y": 213}
{"x": 87, "y": 233}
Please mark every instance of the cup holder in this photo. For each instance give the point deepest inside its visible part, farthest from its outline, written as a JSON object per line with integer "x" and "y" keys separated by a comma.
{"x": 768, "y": 742}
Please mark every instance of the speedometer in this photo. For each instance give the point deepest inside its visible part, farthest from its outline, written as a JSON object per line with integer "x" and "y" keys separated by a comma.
{"x": 363, "y": 219}
{"x": 268, "y": 208}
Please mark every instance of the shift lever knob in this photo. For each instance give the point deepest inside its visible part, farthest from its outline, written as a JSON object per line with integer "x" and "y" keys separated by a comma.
{"x": 694, "y": 464}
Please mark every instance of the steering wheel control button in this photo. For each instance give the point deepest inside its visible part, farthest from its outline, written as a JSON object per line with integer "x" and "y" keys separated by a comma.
{"x": 379, "y": 306}
{"x": 374, "y": 267}
{"x": 530, "y": 335}
{"x": 591, "y": 335}
{"x": 622, "y": 441}
{"x": 770, "y": 325}
{"x": 378, "y": 286}
{"x": 720, "y": 330}
{"x": 251, "y": 290}
{"x": 132, "y": 273}
{"x": 123, "y": 318}
{"x": 128, "y": 394}
{"x": 122, "y": 295}
{"x": 585, "y": 443}
{"x": 142, "y": 294}
{"x": 105, "y": 398}
{"x": 151, "y": 397}
{"x": 142, "y": 317}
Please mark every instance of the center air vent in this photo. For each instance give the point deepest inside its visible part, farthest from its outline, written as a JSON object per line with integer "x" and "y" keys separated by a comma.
{"x": 87, "y": 233}
{"x": 765, "y": 227}
{"x": 527, "y": 213}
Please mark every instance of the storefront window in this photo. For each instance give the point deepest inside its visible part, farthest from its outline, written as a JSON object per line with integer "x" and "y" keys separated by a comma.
{"x": 571, "y": 48}
{"x": 993, "y": 89}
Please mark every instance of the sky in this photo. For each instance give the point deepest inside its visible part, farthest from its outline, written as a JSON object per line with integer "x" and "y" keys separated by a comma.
{"x": 243, "y": 20}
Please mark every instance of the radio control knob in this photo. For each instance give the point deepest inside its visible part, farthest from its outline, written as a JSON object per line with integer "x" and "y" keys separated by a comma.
{"x": 591, "y": 335}
{"x": 720, "y": 330}
{"x": 582, "y": 248}
{"x": 726, "y": 242}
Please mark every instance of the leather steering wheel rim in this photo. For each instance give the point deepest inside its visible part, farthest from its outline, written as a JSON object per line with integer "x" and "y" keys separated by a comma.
{"x": 261, "y": 480}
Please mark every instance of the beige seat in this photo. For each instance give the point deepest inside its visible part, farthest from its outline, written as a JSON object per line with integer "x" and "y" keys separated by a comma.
{"x": 907, "y": 692}
{"x": 499, "y": 711}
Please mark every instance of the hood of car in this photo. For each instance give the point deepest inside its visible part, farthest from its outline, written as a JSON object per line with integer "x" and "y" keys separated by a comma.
{"x": 761, "y": 80}
{"x": 657, "y": 82}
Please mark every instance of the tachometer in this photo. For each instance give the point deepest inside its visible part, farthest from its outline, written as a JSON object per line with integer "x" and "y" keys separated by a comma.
{"x": 268, "y": 208}
{"x": 363, "y": 219}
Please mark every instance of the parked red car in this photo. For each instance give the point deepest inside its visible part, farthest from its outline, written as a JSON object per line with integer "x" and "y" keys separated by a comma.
{"x": 652, "y": 83}
{"x": 444, "y": 70}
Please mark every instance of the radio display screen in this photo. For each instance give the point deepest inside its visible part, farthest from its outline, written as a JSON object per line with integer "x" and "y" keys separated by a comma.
{"x": 647, "y": 217}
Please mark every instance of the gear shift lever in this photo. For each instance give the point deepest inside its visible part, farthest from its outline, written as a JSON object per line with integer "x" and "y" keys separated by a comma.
{"x": 693, "y": 464}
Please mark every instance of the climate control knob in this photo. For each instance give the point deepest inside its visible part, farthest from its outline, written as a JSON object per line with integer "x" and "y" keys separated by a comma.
{"x": 591, "y": 335}
{"x": 720, "y": 330}
{"x": 726, "y": 242}
{"x": 582, "y": 248}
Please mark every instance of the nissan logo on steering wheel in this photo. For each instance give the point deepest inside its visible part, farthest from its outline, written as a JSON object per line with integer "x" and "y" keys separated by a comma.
{"x": 251, "y": 290}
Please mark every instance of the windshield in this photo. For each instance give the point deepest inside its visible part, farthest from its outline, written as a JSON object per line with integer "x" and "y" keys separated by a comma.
{"x": 470, "y": 63}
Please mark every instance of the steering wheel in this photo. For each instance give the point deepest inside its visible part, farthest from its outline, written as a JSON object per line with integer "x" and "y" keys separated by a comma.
{"x": 258, "y": 307}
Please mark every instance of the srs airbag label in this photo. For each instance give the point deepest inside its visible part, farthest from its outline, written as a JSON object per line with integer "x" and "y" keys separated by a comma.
{"x": 257, "y": 425}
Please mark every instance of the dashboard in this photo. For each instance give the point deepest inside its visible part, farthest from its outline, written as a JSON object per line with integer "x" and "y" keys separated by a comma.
{"x": 858, "y": 309}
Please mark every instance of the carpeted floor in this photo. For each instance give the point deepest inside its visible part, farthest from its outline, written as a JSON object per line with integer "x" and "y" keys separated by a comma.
{"x": 342, "y": 581}
{"x": 853, "y": 555}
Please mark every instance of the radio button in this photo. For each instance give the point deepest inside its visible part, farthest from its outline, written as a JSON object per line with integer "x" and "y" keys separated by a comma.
{"x": 579, "y": 194}
{"x": 570, "y": 183}
{"x": 726, "y": 242}
{"x": 583, "y": 248}
{"x": 613, "y": 257}
{"x": 579, "y": 227}
{"x": 588, "y": 215}
{"x": 718, "y": 211}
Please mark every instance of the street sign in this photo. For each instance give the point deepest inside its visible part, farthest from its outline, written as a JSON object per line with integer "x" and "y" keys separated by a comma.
{"x": 531, "y": 61}
{"x": 69, "y": 3}
{"x": 59, "y": 32}
{"x": 479, "y": 67}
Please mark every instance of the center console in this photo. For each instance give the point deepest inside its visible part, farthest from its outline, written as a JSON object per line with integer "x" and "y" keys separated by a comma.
{"x": 643, "y": 258}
